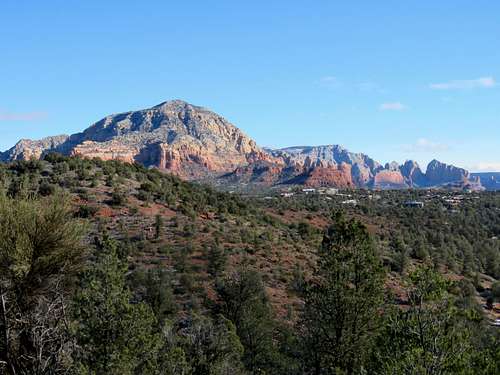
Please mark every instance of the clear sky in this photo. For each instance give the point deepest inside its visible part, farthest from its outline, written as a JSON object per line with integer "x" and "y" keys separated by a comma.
{"x": 394, "y": 79}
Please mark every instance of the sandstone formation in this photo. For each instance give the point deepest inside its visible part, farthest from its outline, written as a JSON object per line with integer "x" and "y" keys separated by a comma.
{"x": 439, "y": 173}
{"x": 389, "y": 179}
{"x": 340, "y": 177}
{"x": 27, "y": 149}
{"x": 195, "y": 143}
{"x": 413, "y": 174}
{"x": 490, "y": 180}
{"x": 175, "y": 136}
{"x": 363, "y": 167}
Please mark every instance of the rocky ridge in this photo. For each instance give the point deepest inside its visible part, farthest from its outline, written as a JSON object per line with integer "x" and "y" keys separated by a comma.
{"x": 195, "y": 143}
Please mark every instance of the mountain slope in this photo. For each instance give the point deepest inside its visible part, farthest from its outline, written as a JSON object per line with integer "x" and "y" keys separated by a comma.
{"x": 186, "y": 140}
{"x": 197, "y": 144}
{"x": 26, "y": 149}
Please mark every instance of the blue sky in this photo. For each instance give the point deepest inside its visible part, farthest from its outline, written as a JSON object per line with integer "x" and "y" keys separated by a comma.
{"x": 394, "y": 79}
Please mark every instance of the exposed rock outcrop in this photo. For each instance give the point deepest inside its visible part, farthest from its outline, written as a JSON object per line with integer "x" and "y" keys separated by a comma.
{"x": 413, "y": 174}
{"x": 178, "y": 137}
{"x": 27, "y": 149}
{"x": 335, "y": 176}
{"x": 439, "y": 173}
{"x": 363, "y": 168}
{"x": 195, "y": 143}
{"x": 490, "y": 180}
{"x": 389, "y": 179}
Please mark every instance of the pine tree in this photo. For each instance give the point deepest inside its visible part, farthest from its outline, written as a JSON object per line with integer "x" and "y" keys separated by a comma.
{"x": 342, "y": 301}
{"x": 431, "y": 337}
{"x": 114, "y": 336}
{"x": 244, "y": 302}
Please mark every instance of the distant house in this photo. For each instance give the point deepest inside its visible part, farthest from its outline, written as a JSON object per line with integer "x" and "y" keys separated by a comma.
{"x": 331, "y": 191}
{"x": 414, "y": 204}
{"x": 287, "y": 195}
{"x": 353, "y": 202}
{"x": 308, "y": 190}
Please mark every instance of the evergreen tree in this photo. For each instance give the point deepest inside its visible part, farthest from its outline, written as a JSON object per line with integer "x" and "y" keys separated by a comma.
{"x": 244, "y": 302}
{"x": 432, "y": 336}
{"x": 158, "y": 225}
{"x": 217, "y": 260}
{"x": 212, "y": 346}
{"x": 342, "y": 301}
{"x": 113, "y": 335}
{"x": 40, "y": 253}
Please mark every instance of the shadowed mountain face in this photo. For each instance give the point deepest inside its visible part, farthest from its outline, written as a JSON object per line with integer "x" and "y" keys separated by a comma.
{"x": 490, "y": 180}
{"x": 195, "y": 143}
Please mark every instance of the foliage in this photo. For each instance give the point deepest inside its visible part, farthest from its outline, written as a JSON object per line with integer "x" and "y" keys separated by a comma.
{"x": 189, "y": 292}
{"x": 40, "y": 252}
{"x": 244, "y": 302}
{"x": 432, "y": 336}
{"x": 343, "y": 301}
{"x": 113, "y": 335}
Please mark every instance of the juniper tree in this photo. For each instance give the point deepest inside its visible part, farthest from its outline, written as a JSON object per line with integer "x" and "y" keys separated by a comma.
{"x": 40, "y": 253}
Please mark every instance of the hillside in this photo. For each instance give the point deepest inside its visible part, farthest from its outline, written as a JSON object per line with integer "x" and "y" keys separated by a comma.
{"x": 181, "y": 271}
{"x": 276, "y": 235}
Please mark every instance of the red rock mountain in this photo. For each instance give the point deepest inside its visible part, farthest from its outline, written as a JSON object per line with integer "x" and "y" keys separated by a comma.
{"x": 175, "y": 136}
{"x": 196, "y": 143}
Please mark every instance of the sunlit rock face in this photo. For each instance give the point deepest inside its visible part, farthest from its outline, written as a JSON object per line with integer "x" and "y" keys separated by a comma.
{"x": 196, "y": 143}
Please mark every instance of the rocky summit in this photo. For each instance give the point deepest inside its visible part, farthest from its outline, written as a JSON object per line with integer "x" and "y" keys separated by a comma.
{"x": 195, "y": 143}
{"x": 174, "y": 136}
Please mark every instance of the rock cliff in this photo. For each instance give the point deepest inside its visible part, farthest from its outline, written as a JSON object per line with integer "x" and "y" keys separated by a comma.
{"x": 196, "y": 143}
{"x": 175, "y": 136}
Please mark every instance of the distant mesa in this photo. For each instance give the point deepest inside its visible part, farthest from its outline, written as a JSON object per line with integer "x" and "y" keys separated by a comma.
{"x": 198, "y": 144}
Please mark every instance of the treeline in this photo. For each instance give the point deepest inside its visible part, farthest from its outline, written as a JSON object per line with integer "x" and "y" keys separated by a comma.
{"x": 80, "y": 176}
{"x": 72, "y": 306}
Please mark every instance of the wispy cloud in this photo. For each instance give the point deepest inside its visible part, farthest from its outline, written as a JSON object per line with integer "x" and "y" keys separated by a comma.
{"x": 425, "y": 145}
{"x": 394, "y": 106}
{"x": 486, "y": 167}
{"x": 22, "y": 116}
{"x": 483, "y": 82}
{"x": 329, "y": 81}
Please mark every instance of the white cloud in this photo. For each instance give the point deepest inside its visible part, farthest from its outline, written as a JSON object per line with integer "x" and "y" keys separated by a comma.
{"x": 396, "y": 106}
{"x": 486, "y": 167}
{"x": 483, "y": 82}
{"x": 425, "y": 145}
{"x": 22, "y": 116}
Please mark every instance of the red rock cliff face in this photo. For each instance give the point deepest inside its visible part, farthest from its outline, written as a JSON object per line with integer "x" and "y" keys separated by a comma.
{"x": 389, "y": 179}
{"x": 340, "y": 177}
{"x": 105, "y": 151}
{"x": 194, "y": 143}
